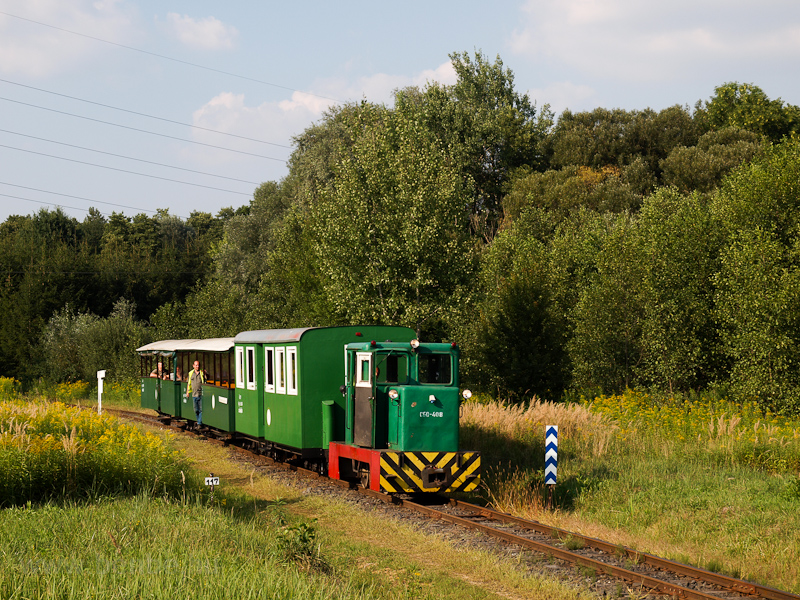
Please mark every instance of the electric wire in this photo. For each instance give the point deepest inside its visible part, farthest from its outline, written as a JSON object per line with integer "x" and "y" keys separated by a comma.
{"x": 150, "y": 162}
{"x": 33, "y": 189}
{"x": 133, "y": 112}
{"x": 51, "y": 203}
{"x": 82, "y": 162}
{"x": 172, "y": 137}
{"x": 177, "y": 60}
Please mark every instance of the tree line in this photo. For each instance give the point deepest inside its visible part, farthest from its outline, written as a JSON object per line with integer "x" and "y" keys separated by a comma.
{"x": 596, "y": 251}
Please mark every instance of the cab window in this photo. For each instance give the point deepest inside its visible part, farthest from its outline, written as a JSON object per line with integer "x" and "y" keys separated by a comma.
{"x": 435, "y": 368}
{"x": 392, "y": 368}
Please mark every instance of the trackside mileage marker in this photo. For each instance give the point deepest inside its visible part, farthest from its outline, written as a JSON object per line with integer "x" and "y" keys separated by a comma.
{"x": 551, "y": 454}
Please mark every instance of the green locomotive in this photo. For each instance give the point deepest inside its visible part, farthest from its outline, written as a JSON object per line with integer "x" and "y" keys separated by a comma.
{"x": 369, "y": 403}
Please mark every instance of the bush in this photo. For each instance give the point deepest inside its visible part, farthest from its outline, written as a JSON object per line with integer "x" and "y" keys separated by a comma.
{"x": 55, "y": 451}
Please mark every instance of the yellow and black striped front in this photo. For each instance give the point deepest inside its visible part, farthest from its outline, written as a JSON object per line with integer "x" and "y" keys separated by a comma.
{"x": 430, "y": 471}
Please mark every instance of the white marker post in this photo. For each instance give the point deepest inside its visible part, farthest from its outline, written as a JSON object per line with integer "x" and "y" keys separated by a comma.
{"x": 100, "y": 376}
{"x": 212, "y": 481}
{"x": 550, "y": 461}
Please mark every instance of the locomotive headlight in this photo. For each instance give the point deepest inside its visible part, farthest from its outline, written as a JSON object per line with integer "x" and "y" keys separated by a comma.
{"x": 414, "y": 344}
{"x": 467, "y": 394}
{"x": 394, "y": 394}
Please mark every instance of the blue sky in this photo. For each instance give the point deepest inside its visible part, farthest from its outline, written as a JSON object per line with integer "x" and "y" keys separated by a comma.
{"x": 270, "y": 69}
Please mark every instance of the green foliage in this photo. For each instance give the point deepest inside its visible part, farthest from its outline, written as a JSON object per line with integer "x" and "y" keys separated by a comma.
{"x": 602, "y": 137}
{"x": 570, "y": 189}
{"x": 679, "y": 247}
{"x": 56, "y": 268}
{"x": 606, "y": 346}
{"x": 298, "y": 545}
{"x": 516, "y": 338}
{"x": 748, "y": 107}
{"x": 9, "y": 388}
{"x": 702, "y": 167}
{"x": 758, "y": 283}
{"x": 54, "y": 451}
{"x": 390, "y": 237}
{"x": 487, "y": 128}
{"x": 76, "y": 346}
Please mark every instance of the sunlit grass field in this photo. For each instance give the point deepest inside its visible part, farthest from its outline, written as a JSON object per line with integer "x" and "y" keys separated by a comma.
{"x": 93, "y": 508}
{"x": 703, "y": 481}
{"x": 708, "y": 482}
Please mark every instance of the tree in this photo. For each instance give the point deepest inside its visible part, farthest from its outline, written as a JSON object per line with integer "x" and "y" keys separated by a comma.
{"x": 390, "y": 236}
{"x": 747, "y": 106}
{"x": 702, "y": 167}
{"x": 513, "y": 340}
{"x": 602, "y": 137}
{"x": 487, "y": 128}
{"x": 679, "y": 249}
{"x": 605, "y": 348}
{"x": 758, "y": 284}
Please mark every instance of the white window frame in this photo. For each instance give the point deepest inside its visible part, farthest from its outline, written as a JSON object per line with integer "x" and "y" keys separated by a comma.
{"x": 251, "y": 368}
{"x": 292, "y": 371}
{"x": 269, "y": 366}
{"x": 239, "y": 367}
{"x": 360, "y": 382}
{"x": 280, "y": 370}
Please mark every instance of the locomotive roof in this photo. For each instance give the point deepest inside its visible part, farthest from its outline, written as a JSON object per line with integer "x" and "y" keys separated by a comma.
{"x": 260, "y": 336}
{"x": 170, "y": 346}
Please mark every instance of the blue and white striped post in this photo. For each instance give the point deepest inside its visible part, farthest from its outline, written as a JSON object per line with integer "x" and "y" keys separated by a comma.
{"x": 550, "y": 460}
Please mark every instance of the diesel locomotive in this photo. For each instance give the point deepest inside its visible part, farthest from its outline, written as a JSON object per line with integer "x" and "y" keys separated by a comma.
{"x": 371, "y": 403}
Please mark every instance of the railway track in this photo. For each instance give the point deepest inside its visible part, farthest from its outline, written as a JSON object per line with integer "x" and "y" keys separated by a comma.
{"x": 656, "y": 575}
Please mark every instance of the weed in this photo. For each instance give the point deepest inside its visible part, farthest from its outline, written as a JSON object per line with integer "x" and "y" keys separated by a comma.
{"x": 792, "y": 489}
{"x": 587, "y": 571}
{"x": 573, "y": 543}
{"x": 298, "y": 545}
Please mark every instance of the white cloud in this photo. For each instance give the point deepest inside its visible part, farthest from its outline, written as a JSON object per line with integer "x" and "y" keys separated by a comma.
{"x": 36, "y": 50}
{"x": 642, "y": 41}
{"x": 208, "y": 33}
{"x": 279, "y": 121}
{"x": 562, "y": 95}
{"x": 444, "y": 74}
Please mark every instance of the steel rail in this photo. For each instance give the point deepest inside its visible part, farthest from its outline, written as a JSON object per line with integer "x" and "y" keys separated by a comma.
{"x": 730, "y": 583}
{"x": 662, "y": 587}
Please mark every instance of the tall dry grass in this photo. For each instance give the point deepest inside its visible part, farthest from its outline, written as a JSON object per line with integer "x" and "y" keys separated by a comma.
{"x": 504, "y": 431}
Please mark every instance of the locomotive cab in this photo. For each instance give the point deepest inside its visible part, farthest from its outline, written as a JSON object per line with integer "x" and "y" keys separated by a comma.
{"x": 400, "y": 397}
{"x": 401, "y": 419}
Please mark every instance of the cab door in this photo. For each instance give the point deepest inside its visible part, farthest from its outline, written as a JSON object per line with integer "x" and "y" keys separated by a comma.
{"x": 364, "y": 400}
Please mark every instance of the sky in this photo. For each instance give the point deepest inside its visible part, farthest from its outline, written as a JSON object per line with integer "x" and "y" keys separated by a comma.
{"x": 136, "y": 106}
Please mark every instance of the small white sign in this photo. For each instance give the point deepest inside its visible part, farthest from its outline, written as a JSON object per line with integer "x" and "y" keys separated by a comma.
{"x": 212, "y": 480}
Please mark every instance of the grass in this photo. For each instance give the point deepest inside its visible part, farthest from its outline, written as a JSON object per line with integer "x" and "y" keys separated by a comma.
{"x": 400, "y": 560}
{"x": 147, "y": 547}
{"x": 255, "y": 539}
{"x": 707, "y": 482}
{"x": 81, "y": 393}
{"x": 50, "y": 450}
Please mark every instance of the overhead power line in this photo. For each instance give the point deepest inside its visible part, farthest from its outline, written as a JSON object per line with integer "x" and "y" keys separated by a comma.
{"x": 133, "y": 112}
{"x": 172, "y": 137}
{"x": 149, "y": 162}
{"x": 177, "y": 60}
{"x": 33, "y": 189}
{"x": 48, "y": 203}
{"x": 82, "y": 162}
